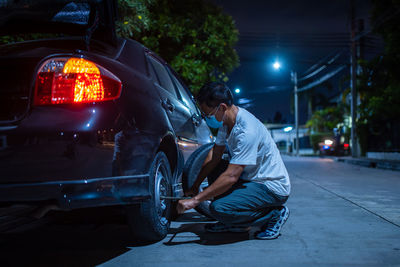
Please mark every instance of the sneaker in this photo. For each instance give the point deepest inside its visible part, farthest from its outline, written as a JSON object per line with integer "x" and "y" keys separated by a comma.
{"x": 223, "y": 228}
{"x": 274, "y": 225}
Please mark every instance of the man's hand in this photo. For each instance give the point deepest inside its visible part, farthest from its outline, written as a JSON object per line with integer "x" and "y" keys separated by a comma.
{"x": 186, "y": 204}
{"x": 192, "y": 191}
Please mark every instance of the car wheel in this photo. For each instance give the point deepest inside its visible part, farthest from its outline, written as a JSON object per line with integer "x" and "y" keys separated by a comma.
{"x": 149, "y": 221}
{"x": 192, "y": 170}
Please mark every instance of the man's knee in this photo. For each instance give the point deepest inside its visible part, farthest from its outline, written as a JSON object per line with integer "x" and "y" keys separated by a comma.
{"x": 218, "y": 208}
{"x": 215, "y": 211}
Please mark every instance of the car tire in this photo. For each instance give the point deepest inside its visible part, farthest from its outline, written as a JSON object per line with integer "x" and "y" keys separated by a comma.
{"x": 192, "y": 170}
{"x": 150, "y": 220}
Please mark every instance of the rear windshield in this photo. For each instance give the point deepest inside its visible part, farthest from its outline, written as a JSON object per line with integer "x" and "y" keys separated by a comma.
{"x": 71, "y": 12}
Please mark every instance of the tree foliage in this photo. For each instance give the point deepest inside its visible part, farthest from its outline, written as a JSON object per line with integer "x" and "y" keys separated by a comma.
{"x": 379, "y": 84}
{"x": 133, "y": 17}
{"x": 325, "y": 120}
{"x": 194, "y": 36}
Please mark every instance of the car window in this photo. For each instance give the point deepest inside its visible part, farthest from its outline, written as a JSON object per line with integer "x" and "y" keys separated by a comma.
{"x": 46, "y": 11}
{"x": 185, "y": 96}
{"x": 164, "y": 79}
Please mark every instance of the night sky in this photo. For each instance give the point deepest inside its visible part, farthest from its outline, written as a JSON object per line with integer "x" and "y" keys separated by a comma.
{"x": 299, "y": 34}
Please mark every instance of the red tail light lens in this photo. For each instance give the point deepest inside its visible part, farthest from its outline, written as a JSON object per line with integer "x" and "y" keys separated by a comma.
{"x": 74, "y": 80}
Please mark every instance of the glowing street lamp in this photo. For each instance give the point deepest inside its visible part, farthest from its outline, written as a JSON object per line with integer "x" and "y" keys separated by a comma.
{"x": 277, "y": 65}
{"x": 237, "y": 90}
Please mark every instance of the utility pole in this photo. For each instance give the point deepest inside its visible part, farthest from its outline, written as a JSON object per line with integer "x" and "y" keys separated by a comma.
{"x": 296, "y": 111}
{"x": 353, "y": 81}
{"x": 361, "y": 42}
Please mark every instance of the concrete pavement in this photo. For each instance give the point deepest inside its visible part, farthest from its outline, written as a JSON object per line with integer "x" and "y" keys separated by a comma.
{"x": 372, "y": 163}
{"x": 341, "y": 215}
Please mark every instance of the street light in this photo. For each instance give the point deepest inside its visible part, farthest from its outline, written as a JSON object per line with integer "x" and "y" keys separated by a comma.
{"x": 277, "y": 65}
{"x": 237, "y": 90}
{"x": 293, "y": 75}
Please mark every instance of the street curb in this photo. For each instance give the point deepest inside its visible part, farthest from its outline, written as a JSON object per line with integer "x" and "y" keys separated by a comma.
{"x": 372, "y": 163}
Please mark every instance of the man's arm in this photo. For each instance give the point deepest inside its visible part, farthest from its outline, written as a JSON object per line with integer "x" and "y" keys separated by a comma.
{"x": 208, "y": 165}
{"x": 223, "y": 183}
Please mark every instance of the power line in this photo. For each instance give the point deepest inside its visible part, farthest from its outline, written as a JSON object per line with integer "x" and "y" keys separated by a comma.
{"x": 298, "y": 39}
{"x": 321, "y": 80}
{"x": 321, "y": 68}
{"x": 313, "y": 67}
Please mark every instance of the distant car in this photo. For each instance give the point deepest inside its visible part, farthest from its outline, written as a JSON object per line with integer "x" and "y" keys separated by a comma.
{"x": 333, "y": 146}
{"x": 88, "y": 119}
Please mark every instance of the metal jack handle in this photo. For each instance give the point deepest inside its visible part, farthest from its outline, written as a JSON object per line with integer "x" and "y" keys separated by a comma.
{"x": 174, "y": 198}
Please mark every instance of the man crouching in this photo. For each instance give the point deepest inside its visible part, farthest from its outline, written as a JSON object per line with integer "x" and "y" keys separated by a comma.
{"x": 255, "y": 185}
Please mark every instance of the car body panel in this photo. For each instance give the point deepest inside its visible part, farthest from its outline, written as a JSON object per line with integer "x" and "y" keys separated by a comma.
{"x": 46, "y": 149}
{"x": 83, "y": 193}
{"x": 97, "y": 153}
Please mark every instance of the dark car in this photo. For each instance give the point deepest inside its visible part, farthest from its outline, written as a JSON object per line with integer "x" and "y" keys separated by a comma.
{"x": 88, "y": 119}
{"x": 334, "y": 146}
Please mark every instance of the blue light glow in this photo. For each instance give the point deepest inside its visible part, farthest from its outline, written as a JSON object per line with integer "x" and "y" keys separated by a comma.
{"x": 277, "y": 65}
{"x": 287, "y": 129}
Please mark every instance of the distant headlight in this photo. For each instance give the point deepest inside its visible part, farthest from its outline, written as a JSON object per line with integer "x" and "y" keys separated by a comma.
{"x": 328, "y": 142}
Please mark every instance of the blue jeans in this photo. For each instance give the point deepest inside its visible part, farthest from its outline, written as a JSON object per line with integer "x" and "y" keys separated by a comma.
{"x": 247, "y": 204}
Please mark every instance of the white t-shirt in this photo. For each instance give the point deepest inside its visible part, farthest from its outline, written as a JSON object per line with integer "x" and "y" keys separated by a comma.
{"x": 251, "y": 144}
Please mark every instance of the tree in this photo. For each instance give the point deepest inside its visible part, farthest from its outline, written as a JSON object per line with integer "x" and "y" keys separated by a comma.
{"x": 323, "y": 122}
{"x": 194, "y": 36}
{"x": 133, "y": 16}
{"x": 379, "y": 85}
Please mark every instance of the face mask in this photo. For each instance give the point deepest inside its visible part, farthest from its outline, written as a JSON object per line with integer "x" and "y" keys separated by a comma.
{"x": 213, "y": 122}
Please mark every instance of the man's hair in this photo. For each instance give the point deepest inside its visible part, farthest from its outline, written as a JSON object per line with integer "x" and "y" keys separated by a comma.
{"x": 214, "y": 93}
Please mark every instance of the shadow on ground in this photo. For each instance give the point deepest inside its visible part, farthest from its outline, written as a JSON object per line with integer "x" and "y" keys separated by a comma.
{"x": 195, "y": 225}
{"x": 90, "y": 237}
{"x": 78, "y": 238}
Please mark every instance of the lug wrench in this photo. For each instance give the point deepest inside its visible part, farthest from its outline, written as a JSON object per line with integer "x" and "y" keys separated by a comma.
{"x": 174, "y": 198}
{"x": 174, "y": 202}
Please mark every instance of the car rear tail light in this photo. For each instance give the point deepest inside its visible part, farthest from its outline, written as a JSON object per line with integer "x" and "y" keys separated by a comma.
{"x": 346, "y": 146}
{"x": 74, "y": 80}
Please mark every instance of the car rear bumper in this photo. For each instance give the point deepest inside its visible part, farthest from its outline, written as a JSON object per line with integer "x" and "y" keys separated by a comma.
{"x": 66, "y": 195}
{"x": 74, "y": 157}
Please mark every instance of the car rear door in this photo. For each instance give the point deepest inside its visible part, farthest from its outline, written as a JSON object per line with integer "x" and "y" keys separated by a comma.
{"x": 180, "y": 115}
{"x": 203, "y": 134}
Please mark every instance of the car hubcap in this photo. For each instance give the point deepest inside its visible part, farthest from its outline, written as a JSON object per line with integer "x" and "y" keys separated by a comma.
{"x": 161, "y": 189}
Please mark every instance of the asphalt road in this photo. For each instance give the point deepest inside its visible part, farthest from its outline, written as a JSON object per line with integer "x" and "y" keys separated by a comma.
{"x": 341, "y": 215}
